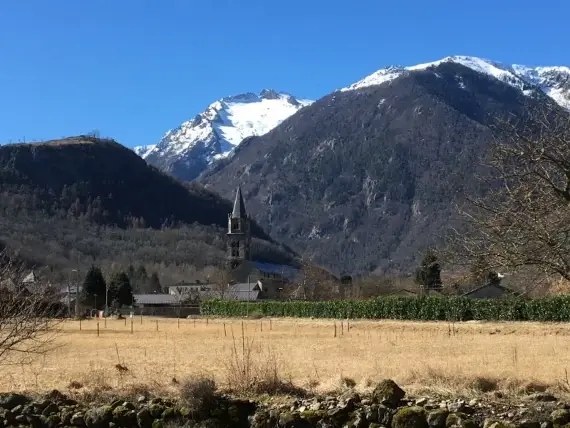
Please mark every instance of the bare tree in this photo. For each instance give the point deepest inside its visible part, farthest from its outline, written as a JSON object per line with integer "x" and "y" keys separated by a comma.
{"x": 221, "y": 279}
{"x": 316, "y": 282}
{"x": 522, "y": 221}
{"x": 28, "y": 316}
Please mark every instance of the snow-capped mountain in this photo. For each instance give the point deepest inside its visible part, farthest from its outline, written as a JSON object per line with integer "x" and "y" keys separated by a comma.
{"x": 189, "y": 149}
{"x": 553, "y": 81}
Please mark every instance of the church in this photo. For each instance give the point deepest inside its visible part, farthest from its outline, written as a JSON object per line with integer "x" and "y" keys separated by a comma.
{"x": 269, "y": 278}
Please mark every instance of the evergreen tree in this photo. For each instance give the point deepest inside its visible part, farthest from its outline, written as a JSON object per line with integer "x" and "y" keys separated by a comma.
{"x": 120, "y": 290}
{"x": 428, "y": 274}
{"x": 94, "y": 287}
{"x": 154, "y": 283}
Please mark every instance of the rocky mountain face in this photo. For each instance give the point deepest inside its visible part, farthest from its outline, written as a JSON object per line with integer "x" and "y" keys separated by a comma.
{"x": 365, "y": 178}
{"x": 188, "y": 150}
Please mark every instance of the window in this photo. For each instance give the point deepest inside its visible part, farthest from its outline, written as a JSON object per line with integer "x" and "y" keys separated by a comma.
{"x": 236, "y": 225}
{"x": 235, "y": 249}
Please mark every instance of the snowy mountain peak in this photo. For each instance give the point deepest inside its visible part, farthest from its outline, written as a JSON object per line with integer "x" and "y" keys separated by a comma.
{"x": 215, "y": 132}
{"x": 554, "y": 81}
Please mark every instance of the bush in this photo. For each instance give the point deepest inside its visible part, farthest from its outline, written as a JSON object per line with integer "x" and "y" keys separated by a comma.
{"x": 424, "y": 308}
{"x": 198, "y": 392}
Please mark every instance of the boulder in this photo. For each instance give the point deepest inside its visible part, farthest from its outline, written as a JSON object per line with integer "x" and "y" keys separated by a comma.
{"x": 437, "y": 418}
{"x": 50, "y": 409}
{"x": 98, "y": 417}
{"x": 77, "y": 420}
{"x": 144, "y": 418}
{"x": 493, "y": 423}
{"x": 9, "y": 401}
{"x": 459, "y": 420}
{"x": 312, "y": 416}
{"x": 387, "y": 392}
{"x": 560, "y": 417}
{"x": 410, "y": 417}
{"x": 156, "y": 410}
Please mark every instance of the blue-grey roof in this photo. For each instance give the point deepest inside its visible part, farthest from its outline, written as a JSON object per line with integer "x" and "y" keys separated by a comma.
{"x": 285, "y": 270}
{"x": 156, "y": 299}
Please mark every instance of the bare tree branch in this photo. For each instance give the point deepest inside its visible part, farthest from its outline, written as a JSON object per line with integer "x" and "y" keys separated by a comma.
{"x": 28, "y": 315}
{"x": 522, "y": 222}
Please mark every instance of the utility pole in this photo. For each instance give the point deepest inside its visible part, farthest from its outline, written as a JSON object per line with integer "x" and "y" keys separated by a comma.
{"x": 76, "y": 294}
{"x": 69, "y": 294}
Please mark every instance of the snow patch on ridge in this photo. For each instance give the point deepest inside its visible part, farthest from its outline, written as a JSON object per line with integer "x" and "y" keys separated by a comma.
{"x": 554, "y": 81}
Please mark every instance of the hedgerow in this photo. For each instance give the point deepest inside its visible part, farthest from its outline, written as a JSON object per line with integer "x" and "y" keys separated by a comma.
{"x": 425, "y": 308}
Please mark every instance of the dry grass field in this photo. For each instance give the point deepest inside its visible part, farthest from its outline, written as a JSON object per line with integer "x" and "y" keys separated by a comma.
{"x": 470, "y": 357}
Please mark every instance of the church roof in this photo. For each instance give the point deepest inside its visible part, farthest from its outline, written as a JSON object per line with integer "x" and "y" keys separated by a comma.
{"x": 239, "y": 206}
{"x": 281, "y": 270}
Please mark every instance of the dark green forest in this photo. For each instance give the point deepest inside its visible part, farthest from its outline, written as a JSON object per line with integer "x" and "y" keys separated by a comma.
{"x": 69, "y": 204}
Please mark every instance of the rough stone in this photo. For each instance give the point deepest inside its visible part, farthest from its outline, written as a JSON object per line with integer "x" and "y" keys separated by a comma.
{"x": 50, "y": 409}
{"x": 98, "y": 417}
{"x": 77, "y": 420}
{"x": 288, "y": 420}
{"x": 311, "y": 416}
{"x": 144, "y": 419}
{"x": 410, "y": 417}
{"x": 387, "y": 392}
{"x": 437, "y": 418}
{"x": 421, "y": 401}
{"x": 528, "y": 424}
{"x": 9, "y": 401}
{"x": 156, "y": 410}
{"x": 560, "y": 417}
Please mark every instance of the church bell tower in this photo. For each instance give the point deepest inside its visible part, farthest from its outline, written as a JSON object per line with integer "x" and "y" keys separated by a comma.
{"x": 239, "y": 234}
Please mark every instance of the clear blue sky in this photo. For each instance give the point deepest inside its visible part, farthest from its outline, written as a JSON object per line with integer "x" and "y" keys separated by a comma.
{"x": 135, "y": 68}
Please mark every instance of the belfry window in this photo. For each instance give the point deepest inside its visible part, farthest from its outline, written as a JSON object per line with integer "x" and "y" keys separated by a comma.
{"x": 235, "y": 248}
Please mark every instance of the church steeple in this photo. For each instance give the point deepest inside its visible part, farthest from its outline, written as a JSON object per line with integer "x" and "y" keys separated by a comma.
{"x": 239, "y": 205}
{"x": 239, "y": 233}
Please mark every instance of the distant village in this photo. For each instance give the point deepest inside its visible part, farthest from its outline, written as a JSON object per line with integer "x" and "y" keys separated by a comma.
{"x": 246, "y": 280}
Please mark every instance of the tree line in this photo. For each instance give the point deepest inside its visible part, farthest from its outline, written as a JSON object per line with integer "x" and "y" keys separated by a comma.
{"x": 119, "y": 290}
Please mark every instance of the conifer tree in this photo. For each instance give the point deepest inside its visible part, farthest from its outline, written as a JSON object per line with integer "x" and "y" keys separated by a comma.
{"x": 94, "y": 287}
{"x": 428, "y": 274}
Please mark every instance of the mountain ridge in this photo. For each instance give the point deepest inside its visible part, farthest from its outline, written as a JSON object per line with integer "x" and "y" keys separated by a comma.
{"x": 554, "y": 81}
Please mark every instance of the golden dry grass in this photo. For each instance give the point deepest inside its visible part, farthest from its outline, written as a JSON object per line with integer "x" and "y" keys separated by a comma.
{"x": 439, "y": 357}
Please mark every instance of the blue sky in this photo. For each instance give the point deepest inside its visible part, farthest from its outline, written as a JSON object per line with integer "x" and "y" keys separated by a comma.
{"x": 133, "y": 69}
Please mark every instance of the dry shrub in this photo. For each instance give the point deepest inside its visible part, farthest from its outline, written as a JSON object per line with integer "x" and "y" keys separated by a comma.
{"x": 75, "y": 385}
{"x": 250, "y": 370}
{"x": 347, "y": 382}
{"x": 472, "y": 385}
{"x": 446, "y": 383}
{"x": 198, "y": 391}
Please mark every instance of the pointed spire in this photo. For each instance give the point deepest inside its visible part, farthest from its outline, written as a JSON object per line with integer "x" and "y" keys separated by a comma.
{"x": 239, "y": 205}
